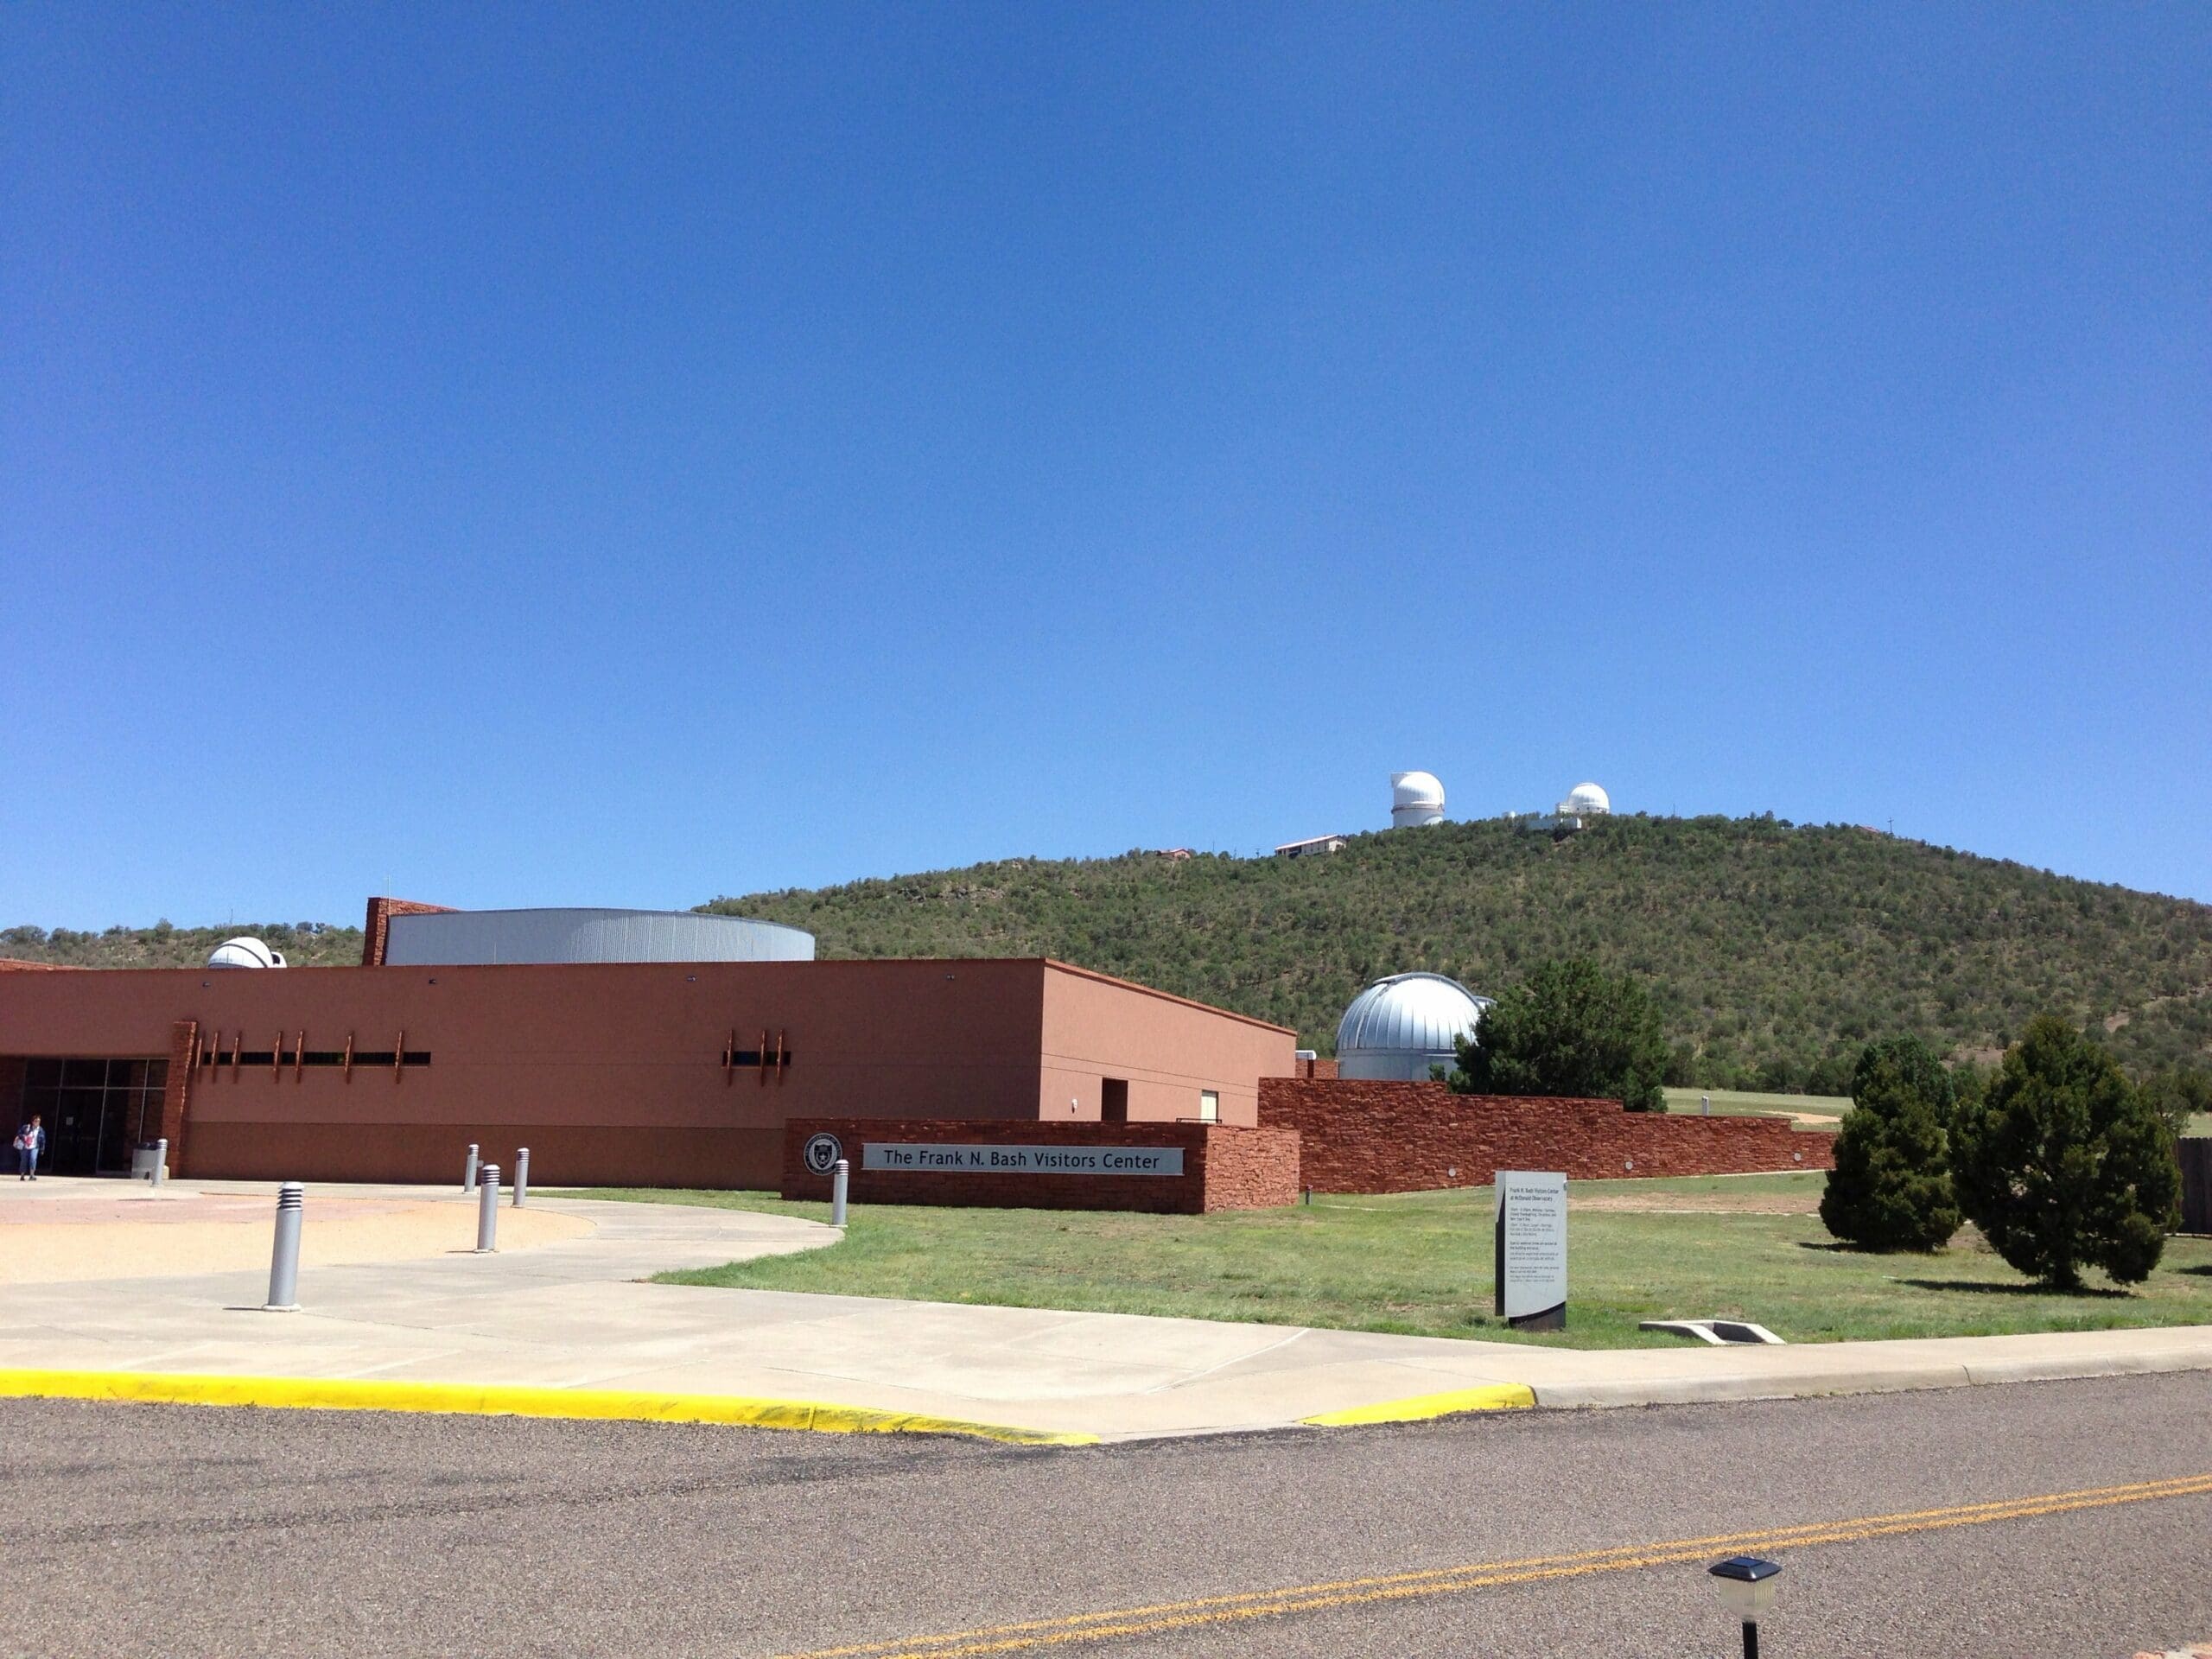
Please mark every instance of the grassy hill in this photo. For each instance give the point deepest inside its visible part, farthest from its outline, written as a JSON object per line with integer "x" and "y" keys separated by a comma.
{"x": 1775, "y": 950}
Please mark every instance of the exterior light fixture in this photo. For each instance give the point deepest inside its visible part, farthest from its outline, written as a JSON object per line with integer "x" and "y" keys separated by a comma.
{"x": 1746, "y": 1586}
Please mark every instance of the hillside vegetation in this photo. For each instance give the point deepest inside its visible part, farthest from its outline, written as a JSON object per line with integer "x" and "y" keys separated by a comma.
{"x": 305, "y": 944}
{"x": 1775, "y": 950}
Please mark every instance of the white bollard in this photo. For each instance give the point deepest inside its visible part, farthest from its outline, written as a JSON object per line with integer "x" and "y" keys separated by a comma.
{"x": 1705, "y": 1105}
{"x": 468, "y": 1170}
{"x": 840, "y": 1175}
{"x": 160, "y": 1162}
{"x": 285, "y": 1259}
{"x": 487, "y": 1210}
{"x": 522, "y": 1175}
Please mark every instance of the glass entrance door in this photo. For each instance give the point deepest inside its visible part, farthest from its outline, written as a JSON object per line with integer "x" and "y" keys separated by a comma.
{"x": 95, "y": 1110}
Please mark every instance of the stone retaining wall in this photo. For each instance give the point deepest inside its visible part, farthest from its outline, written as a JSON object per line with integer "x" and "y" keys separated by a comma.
{"x": 1360, "y": 1136}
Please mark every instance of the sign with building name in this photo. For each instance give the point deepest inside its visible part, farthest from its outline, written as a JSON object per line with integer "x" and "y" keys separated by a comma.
{"x": 1530, "y": 1237}
{"x": 918, "y": 1159}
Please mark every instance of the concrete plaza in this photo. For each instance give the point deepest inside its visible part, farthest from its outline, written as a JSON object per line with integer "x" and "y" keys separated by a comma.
{"x": 569, "y": 1312}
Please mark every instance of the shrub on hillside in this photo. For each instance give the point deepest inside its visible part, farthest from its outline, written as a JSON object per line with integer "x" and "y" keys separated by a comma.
{"x": 2064, "y": 1163}
{"x": 1569, "y": 1028}
{"x": 1890, "y": 1188}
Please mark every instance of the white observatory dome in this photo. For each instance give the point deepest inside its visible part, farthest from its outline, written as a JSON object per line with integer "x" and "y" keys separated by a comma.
{"x": 1400, "y": 1027}
{"x": 1585, "y": 801}
{"x": 1415, "y": 798}
{"x": 245, "y": 951}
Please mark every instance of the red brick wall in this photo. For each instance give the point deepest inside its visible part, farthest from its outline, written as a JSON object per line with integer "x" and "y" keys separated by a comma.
{"x": 1407, "y": 1137}
{"x": 1324, "y": 1070}
{"x": 1224, "y": 1166}
{"x": 177, "y": 1097}
{"x": 376, "y": 931}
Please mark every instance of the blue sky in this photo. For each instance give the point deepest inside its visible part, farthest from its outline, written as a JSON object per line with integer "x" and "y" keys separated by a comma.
{"x": 625, "y": 456}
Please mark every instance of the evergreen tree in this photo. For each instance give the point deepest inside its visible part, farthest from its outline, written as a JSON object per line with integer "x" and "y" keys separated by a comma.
{"x": 2178, "y": 1094}
{"x": 2063, "y": 1162}
{"x": 1890, "y": 1188}
{"x": 1569, "y": 1028}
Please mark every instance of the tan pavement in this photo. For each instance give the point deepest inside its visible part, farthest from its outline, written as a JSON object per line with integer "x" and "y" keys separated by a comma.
{"x": 569, "y": 1312}
{"x": 58, "y": 1230}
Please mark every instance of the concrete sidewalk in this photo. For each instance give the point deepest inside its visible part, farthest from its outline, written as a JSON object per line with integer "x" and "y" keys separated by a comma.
{"x": 571, "y": 1315}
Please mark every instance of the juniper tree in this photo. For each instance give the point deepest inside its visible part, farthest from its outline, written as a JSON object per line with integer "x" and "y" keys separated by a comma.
{"x": 2064, "y": 1163}
{"x": 1890, "y": 1188}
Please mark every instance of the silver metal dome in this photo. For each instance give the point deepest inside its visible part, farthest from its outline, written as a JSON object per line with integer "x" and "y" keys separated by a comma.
{"x": 1400, "y": 1027}
{"x": 454, "y": 936}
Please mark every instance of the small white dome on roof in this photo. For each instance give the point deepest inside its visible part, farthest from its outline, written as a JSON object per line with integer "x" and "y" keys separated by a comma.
{"x": 1586, "y": 800}
{"x": 245, "y": 951}
{"x": 1415, "y": 798}
{"x": 1400, "y": 1027}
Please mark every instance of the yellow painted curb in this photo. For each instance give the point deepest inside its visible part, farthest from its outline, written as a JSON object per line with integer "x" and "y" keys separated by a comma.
{"x": 1496, "y": 1396}
{"x": 349, "y": 1394}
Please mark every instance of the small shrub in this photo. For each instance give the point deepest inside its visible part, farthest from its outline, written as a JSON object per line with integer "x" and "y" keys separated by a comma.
{"x": 1890, "y": 1188}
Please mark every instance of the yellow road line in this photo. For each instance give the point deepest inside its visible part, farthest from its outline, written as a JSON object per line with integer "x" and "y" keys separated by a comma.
{"x": 354, "y": 1394}
{"x": 1496, "y": 1396}
{"x": 1270, "y": 1604}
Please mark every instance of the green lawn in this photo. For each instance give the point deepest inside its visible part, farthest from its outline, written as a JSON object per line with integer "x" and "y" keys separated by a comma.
{"x": 1738, "y": 1103}
{"x": 1420, "y": 1262}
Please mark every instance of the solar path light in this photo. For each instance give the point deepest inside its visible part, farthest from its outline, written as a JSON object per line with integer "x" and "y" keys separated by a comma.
{"x": 1746, "y": 1586}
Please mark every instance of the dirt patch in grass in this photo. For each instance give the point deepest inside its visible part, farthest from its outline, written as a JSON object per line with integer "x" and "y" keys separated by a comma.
{"x": 1805, "y": 1201}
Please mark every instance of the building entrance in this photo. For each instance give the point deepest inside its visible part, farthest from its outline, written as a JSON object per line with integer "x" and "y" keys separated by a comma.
{"x": 95, "y": 1110}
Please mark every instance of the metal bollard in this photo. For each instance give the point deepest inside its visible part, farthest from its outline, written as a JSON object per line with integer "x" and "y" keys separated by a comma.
{"x": 522, "y": 1175}
{"x": 468, "y": 1170}
{"x": 840, "y": 1175}
{"x": 1705, "y": 1105}
{"x": 285, "y": 1259}
{"x": 160, "y": 1162}
{"x": 487, "y": 1210}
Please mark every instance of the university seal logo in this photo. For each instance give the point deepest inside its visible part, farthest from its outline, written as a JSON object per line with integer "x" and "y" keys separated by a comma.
{"x": 821, "y": 1152}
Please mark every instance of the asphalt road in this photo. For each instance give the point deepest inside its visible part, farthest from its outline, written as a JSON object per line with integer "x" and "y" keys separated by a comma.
{"x": 174, "y": 1530}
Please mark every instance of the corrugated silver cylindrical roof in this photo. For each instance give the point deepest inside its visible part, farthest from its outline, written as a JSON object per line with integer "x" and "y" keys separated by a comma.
{"x": 456, "y": 937}
{"x": 1400, "y": 1027}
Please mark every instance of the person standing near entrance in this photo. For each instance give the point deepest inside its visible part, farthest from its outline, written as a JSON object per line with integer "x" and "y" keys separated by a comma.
{"x": 30, "y": 1140}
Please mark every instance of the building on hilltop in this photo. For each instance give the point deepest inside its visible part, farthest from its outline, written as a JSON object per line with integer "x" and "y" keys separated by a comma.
{"x": 1312, "y": 846}
{"x": 1416, "y": 798}
{"x": 1583, "y": 803}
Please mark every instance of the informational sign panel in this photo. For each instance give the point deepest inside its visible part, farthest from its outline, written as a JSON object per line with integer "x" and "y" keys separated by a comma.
{"x": 918, "y": 1159}
{"x": 1531, "y": 1250}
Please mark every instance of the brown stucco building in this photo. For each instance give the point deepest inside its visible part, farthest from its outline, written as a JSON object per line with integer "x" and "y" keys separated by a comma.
{"x": 661, "y": 1073}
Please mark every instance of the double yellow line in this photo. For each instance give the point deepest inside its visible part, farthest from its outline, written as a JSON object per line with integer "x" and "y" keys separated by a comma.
{"x": 1451, "y": 1580}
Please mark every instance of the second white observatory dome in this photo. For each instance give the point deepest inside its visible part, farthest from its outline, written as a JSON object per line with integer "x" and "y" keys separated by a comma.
{"x": 1415, "y": 798}
{"x": 1587, "y": 801}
